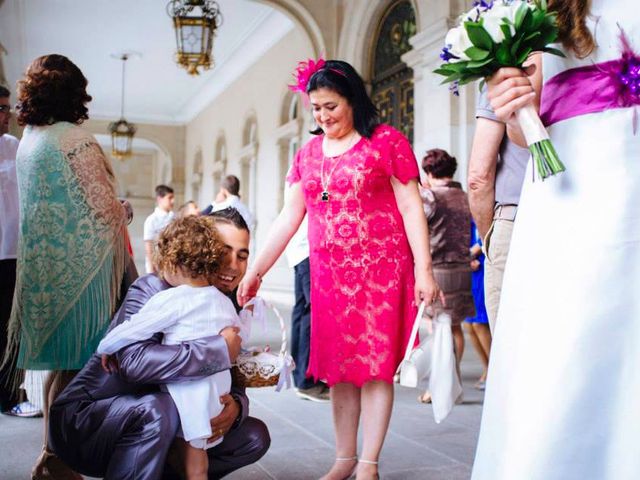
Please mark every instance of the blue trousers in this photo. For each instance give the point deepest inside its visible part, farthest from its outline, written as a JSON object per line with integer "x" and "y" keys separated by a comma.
{"x": 301, "y": 325}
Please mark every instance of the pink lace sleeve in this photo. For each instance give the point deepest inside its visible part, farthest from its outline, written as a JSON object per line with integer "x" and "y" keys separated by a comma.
{"x": 403, "y": 162}
{"x": 294, "y": 175}
{"x": 95, "y": 176}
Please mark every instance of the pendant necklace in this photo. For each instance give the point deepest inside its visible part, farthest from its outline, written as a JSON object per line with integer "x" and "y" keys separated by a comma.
{"x": 324, "y": 182}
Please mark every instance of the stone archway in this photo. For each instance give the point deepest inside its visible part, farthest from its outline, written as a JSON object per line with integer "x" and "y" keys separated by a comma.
{"x": 302, "y": 17}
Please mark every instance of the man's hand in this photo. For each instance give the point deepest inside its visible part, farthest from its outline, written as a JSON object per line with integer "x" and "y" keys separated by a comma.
{"x": 109, "y": 363}
{"x": 221, "y": 424}
{"x": 230, "y": 335}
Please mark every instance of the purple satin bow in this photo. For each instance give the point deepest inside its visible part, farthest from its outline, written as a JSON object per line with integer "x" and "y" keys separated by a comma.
{"x": 593, "y": 88}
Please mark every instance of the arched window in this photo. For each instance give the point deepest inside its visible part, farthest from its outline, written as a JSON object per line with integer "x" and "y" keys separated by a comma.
{"x": 196, "y": 177}
{"x": 219, "y": 163}
{"x": 294, "y": 140}
{"x": 391, "y": 78}
{"x": 248, "y": 163}
{"x": 289, "y": 139}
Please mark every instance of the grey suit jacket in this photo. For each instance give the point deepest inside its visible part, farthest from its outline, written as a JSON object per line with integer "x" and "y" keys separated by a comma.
{"x": 145, "y": 365}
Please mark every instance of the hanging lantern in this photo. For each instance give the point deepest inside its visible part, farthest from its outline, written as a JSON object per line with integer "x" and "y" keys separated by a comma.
{"x": 122, "y": 132}
{"x": 195, "y": 23}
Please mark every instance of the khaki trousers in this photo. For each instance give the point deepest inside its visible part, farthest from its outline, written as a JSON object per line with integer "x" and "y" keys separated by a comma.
{"x": 496, "y": 250}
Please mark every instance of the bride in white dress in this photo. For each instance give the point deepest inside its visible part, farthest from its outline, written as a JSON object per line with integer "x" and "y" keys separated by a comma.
{"x": 572, "y": 283}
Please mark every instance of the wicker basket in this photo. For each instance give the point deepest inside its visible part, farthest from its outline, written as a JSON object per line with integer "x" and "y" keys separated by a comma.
{"x": 256, "y": 369}
{"x": 261, "y": 367}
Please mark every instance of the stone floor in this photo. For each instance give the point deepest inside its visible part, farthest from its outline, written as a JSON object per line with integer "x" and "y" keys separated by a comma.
{"x": 302, "y": 435}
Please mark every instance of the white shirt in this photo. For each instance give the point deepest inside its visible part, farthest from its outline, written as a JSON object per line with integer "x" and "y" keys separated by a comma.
{"x": 243, "y": 210}
{"x": 298, "y": 247}
{"x": 153, "y": 225}
{"x": 185, "y": 313}
{"x": 9, "y": 203}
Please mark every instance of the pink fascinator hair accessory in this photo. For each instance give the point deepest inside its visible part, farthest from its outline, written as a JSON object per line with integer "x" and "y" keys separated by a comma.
{"x": 304, "y": 72}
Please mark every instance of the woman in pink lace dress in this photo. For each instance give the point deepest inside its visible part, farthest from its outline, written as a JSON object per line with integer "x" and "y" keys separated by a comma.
{"x": 369, "y": 255}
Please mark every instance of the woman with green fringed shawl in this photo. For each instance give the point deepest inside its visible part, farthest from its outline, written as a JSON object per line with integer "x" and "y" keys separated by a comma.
{"x": 71, "y": 252}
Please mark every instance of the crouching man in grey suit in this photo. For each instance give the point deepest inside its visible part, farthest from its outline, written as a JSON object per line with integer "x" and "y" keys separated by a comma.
{"x": 119, "y": 425}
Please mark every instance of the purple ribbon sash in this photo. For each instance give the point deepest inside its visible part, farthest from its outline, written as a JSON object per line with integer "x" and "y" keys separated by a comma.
{"x": 593, "y": 88}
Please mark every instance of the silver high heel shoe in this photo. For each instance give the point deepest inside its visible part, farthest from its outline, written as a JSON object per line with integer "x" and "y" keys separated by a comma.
{"x": 349, "y": 459}
{"x": 370, "y": 462}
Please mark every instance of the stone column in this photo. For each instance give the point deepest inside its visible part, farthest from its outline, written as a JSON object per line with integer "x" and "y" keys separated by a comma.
{"x": 441, "y": 120}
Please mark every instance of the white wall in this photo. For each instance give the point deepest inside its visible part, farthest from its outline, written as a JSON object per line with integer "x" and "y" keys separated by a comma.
{"x": 258, "y": 94}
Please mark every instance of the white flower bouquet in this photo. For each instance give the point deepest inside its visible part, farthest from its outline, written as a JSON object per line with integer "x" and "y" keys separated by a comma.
{"x": 503, "y": 33}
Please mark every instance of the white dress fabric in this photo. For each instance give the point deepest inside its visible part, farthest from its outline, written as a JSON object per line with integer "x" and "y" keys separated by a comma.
{"x": 185, "y": 313}
{"x": 564, "y": 379}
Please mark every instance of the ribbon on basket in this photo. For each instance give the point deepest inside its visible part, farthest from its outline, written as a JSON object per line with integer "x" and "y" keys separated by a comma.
{"x": 259, "y": 367}
{"x": 287, "y": 361}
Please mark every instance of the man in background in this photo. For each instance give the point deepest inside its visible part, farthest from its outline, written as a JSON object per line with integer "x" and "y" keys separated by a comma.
{"x": 496, "y": 173}
{"x": 155, "y": 223}
{"x": 298, "y": 258}
{"x": 229, "y": 196}
{"x": 9, "y": 219}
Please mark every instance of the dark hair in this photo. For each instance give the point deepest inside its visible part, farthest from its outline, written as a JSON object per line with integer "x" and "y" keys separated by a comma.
{"x": 343, "y": 79}
{"x": 230, "y": 216}
{"x": 231, "y": 184}
{"x": 572, "y": 26}
{"x": 439, "y": 163}
{"x": 53, "y": 90}
{"x": 163, "y": 190}
{"x": 4, "y": 92}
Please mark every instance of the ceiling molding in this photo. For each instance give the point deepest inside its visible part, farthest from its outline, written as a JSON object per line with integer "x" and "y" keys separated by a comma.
{"x": 157, "y": 90}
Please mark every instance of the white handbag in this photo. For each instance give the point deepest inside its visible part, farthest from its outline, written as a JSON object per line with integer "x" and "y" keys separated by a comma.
{"x": 416, "y": 364}
{"x": 444, "y": 384}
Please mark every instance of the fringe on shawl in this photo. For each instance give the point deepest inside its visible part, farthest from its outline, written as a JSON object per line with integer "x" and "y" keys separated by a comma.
{"x": 91, "y": 311}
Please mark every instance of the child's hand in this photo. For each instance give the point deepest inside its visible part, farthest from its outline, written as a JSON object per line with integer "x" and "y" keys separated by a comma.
{"x": 109, "y": 364}
{"x": 230, "y": 335}
{"x": 475, "y": 265}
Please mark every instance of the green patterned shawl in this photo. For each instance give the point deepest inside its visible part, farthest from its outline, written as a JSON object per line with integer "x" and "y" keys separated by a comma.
{"x": 71, "y": 251}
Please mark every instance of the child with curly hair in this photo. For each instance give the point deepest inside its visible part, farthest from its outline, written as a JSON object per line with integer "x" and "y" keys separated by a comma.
{"x": 188, "y": 254}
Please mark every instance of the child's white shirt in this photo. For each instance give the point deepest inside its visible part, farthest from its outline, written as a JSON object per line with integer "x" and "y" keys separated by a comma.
{"x": 185, "y": 313}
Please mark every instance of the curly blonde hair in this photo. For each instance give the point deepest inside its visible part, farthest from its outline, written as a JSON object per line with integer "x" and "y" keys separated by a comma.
{"x": 572, "y": 23}
{"x": 191, "y": 245}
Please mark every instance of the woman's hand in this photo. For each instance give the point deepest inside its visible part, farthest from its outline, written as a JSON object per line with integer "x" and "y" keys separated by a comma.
{"x": 426, "y": 289}
{"x": 508, "y": 90}
{"x": 221, "y": 424}
{"x": 248, "y": 287}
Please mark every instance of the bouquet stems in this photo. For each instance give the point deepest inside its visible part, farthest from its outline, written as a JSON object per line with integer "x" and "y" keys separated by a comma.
{"x": 545, "y": 158}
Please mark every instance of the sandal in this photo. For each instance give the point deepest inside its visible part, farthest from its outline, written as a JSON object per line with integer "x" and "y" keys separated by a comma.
{"x": 349, "y": 459}
{"x": 370, "y": 462}
{"x": 424, "y": 398}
